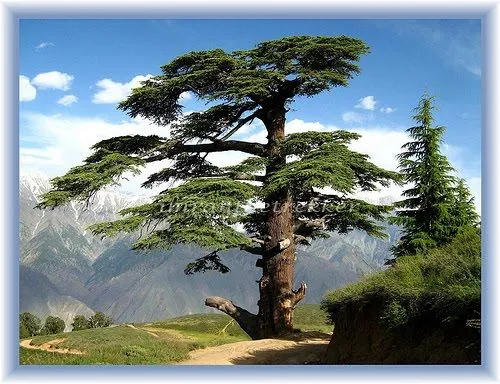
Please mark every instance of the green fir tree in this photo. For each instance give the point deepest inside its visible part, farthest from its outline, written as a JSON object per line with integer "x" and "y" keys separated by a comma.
{"x": 426, "y": 212}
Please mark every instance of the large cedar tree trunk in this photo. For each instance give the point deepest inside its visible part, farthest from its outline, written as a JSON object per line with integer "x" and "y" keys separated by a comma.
{"x": 277, "y": 297}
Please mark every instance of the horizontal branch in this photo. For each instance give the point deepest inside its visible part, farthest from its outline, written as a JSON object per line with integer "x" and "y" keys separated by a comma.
{"x": 256, "y": 149}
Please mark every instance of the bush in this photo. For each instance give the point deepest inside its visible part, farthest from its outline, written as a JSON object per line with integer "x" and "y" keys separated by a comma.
{"x": 446, "y": 281}
{"x": 80, "y": 322}
{"x": 29, "y": 323}
{"x": 53, "y": 325}
{"x": 99, "y": 320}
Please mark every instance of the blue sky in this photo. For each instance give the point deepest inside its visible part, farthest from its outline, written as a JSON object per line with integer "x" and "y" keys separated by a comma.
{"x": 74, "y": 71}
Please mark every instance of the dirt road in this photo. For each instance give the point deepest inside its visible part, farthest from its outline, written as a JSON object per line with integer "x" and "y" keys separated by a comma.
{"x": 266, "y": 351}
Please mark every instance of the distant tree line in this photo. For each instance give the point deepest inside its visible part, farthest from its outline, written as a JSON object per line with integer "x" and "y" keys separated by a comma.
{"x": 31, "y": 325}
{"x": 98, "y": 320}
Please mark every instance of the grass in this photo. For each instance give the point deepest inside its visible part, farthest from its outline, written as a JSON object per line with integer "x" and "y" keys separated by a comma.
{"x": 310, "y": 317}
{"x": 446, "y": 282}
{"x": 123, "y": 345}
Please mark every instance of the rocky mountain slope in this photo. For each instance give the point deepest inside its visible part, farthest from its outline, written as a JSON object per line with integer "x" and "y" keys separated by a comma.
{"x": 66, "y": 271}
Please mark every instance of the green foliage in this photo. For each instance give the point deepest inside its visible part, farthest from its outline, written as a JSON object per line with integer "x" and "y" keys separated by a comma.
{"x": 428, "y": 214}
{"x": 200, "y": 211}
{"x": 99, "y": 320}
{"x": 53, "y": 325}
{"x": 239, "y": 87}
{"x": 23, "y": 331}
{"x": 463, "y": 212}
{"x": 82, "y": 182}
{"x": 446, "y": 281}
{"x": 298, "y": 65}
{"x": 30, "y": 323}
{"x": 332, "y": 165}
{"x": 80, "y": 322}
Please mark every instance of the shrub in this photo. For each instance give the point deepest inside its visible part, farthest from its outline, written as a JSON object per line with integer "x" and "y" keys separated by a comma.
{"x": 446, "y": 281}
{"x": 80, "y": 322}
{"x": 53, "y": 325}
{"x": 30, "y": 322}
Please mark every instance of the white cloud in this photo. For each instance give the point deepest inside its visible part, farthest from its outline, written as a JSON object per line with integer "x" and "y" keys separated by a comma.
{"x": 67, "y": 100}
{"x": 474, "y": 184}
{"x": 44, "y": 44}
{"x": 367, "y": 102}
{"x": 112, "y": 92}
{"x": 27, "y": 92}
{"x": 353, "y": 117}
{"x": 53, "y": 80}
{"x": 387, "y": 110}
{"x": 186, "y": 96}
{"x": 50, "y": 145}
{"x": 52, "y": 148}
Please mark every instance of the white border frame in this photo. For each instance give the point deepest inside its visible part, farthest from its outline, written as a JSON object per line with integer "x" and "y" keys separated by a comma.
{"x": 12, "y": 11}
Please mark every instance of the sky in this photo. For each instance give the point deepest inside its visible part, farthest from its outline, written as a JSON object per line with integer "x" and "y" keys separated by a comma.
{"x": 73, "y": 73}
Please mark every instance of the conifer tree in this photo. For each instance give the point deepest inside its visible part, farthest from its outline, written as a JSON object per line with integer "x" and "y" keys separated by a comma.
{"x": 463, "y": 212}
{"x": 288, "y": 173}
{"x": 425, "y": 213}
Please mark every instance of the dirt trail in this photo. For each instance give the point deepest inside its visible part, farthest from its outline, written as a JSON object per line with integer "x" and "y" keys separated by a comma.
{"x": 141, "y": 329}
{"x": 266, "y": 351}
{"x": 50, "y": 346}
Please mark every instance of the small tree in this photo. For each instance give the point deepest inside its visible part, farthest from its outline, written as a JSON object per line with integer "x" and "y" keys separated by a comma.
{"x": 53, "y": 325}
{"x": 80, "y": 322}
{"x": 289, "y": 174}
{"x": 99, "y": 320}
{"x": 30, "y": 322}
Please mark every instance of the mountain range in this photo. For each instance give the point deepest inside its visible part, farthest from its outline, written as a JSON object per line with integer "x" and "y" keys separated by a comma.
{"x": 65, "y": 270}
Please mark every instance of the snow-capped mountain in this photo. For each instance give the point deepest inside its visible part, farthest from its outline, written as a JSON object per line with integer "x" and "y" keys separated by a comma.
{"x": 67, "y": 271}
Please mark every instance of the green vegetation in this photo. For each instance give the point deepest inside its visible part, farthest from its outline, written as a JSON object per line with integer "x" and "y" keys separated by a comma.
{"x": 53, "y": 325}
{"x": 79, "y": 322}
{"x": 174, "y": 339}
{"x": 445, "y": 282}
{"x": 310, "y": 317}
{"x": 29, "y": 324}
{"x": 99, "y": 320}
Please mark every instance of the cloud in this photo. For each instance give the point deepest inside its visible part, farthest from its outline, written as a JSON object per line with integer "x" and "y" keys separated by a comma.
{"x": 53, "y": 80}
{"x": 367, "y": 102}
{"x": 353, "y": 117}
{"x": 387, "y": 110}
{"x": 52, "y": 144}
{"x": 49, "y": 146}
{"x": 27, "y": 92}
{"x": 67, "y": 100}
{"x": 44, "y": 44}
{"x": 112, "y": 92}
{"x": 186, "y": 96}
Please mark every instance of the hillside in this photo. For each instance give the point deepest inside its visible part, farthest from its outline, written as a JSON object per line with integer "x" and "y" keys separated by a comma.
{"x": 189, "y": 339}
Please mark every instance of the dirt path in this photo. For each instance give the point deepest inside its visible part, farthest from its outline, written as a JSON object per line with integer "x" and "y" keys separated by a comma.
{"x": 266, "y": 351}
{"x": 50, "y": 346}
{"x": 141, "y": 329}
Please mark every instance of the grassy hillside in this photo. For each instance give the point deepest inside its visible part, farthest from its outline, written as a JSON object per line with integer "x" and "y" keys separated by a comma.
{"x": 445, "y": 282}
{"x": 162, "y": 342}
